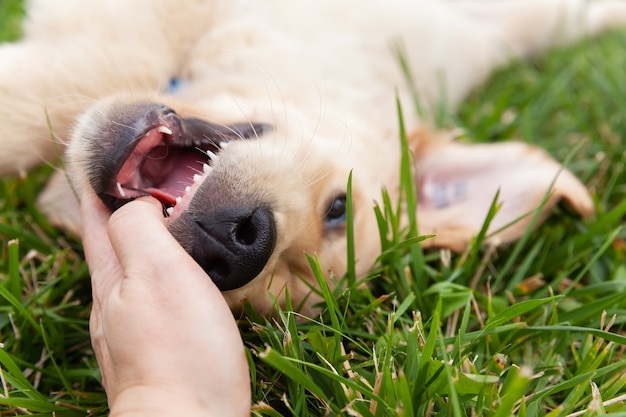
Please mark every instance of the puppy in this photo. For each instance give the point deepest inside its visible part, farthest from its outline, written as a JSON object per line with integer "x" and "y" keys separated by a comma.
{"x": 245, "y": 120}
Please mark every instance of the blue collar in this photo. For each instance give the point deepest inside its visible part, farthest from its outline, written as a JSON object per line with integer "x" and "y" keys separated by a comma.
{"x": 174, "y": 85}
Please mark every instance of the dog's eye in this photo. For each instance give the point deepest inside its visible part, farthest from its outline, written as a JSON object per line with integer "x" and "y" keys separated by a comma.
{"x": 336, "y": 214}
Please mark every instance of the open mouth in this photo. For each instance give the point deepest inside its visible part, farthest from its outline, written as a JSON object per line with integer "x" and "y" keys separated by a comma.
{"x": 159, "y": 167}
{"x": 165, "y": 156}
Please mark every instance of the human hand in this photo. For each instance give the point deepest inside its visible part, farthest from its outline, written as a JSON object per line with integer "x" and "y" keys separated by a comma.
{"x": 164, "y": 337}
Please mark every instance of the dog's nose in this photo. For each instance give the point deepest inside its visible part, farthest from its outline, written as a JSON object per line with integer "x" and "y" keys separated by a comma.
{"x": 233, "y": 245}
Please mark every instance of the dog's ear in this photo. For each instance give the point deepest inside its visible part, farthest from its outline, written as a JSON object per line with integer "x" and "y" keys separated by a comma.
{"x": 59, "y": 203}
{"x": 457, "y": 183}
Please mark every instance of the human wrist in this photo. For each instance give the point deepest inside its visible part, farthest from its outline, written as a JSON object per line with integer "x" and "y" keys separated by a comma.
{"x": 161, "y": 401}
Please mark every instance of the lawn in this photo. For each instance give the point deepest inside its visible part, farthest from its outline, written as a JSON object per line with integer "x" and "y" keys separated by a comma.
{"x": 532, "y": 329}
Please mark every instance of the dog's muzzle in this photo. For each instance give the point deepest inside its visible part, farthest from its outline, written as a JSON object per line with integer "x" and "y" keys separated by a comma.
{"x": 148, "y": 149}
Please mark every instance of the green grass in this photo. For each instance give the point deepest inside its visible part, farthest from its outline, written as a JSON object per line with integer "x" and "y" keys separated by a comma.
{"x": 534, "y": 329}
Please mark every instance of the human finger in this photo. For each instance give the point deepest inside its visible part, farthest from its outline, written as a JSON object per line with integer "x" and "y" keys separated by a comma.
{"x": 103, "y": 264}
{"x": 144, "y": 246}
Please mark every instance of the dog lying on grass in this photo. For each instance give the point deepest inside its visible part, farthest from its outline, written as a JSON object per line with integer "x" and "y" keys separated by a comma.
{"x": 246, "y": 119}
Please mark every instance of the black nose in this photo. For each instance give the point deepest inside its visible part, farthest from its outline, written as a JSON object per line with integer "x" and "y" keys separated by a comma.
{"x": 234, "y": 245}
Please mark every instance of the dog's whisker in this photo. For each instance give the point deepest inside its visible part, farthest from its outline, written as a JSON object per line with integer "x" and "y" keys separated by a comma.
{"x": 268, "y": 75}
{"x": 212, "y": 156}
{"x": 197, "y": 170}
{"x": 322, "y": 106}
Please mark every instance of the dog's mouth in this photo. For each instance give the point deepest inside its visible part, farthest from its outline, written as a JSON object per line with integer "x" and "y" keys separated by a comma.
{"x": 165, "y": 156}
{"x": 163, "y": 169}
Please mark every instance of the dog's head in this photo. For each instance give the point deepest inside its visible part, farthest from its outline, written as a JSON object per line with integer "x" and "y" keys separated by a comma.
{"x": 246, "y": 202}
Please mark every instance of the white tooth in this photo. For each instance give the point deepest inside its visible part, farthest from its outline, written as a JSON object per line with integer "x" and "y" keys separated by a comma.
{"x": 211, "y": 155}
{"x": 206, "y": 168}
{"x": 223, "y": 144}
{"x": 121, "y": 190}
{"x": 196, "y": 177}
{"x": 187, "y": 189}
{"x": 170, "y": 211}
{"x": 164, "y": 129}
{"x": 178, "y": 200}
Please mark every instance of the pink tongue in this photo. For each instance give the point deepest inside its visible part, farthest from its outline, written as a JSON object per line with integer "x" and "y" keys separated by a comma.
{"x": 161, "y": 196}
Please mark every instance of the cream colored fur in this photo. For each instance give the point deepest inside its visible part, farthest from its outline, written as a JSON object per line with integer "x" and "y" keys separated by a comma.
{"x": 325, "y": 75}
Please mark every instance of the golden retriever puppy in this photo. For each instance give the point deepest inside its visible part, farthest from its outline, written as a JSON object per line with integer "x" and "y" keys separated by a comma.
{"x": 245, "y": 120}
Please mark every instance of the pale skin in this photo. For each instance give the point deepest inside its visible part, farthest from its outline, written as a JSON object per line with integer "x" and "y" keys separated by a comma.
{"x": 165, "y": 340}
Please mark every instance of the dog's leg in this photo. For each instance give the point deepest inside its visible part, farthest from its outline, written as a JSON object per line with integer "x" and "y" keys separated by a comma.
{"x": 527, "y": 27}
{"x": 451, "y": 47}
{"x": 457, "y": 183}
{"x": 43, "y": 86}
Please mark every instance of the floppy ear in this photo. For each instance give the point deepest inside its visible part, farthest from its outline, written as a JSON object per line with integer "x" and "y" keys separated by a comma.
{"x": 457, "y": 183}
{"x": 59, "y": 203}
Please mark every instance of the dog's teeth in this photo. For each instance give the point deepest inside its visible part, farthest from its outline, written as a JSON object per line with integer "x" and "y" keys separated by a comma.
{"x": 187, "y": 189}
{"x": 121, "y": 190}
{"x": 211, "y": 155}
{"x": 178, "y": 200}
{"x": 223, "y": 144}
{"x": 170, "y": 211}
{"x": 206, "y": 168}
{"x": 164, "y": 129}
{"x": 196, "y": 177}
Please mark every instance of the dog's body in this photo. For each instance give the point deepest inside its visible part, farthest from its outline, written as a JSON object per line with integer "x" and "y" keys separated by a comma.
{"x": 292, "y": 97}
